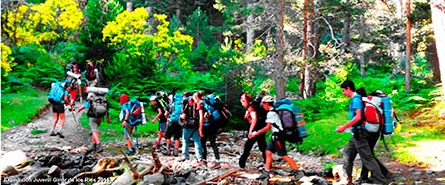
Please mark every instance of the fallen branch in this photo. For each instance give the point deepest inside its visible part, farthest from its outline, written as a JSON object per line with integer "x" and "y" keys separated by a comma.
{"x": 136, "y": 174}
{"x": 219, "y": 177}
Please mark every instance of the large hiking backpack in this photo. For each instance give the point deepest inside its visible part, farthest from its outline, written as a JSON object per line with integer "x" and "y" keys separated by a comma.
{"x": 294, "y": 129}
{"x": 57, "y": 92}
{"x": 378, "y": 113}
{"x": 98, "y": 106}
{"x": 216, "y": 111}
{"x": 137, "y": 114}
{"x": 191, "y": 114}
{"x": 176, "y": 108}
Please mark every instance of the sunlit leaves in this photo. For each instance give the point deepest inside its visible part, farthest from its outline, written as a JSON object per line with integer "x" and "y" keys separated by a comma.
{"x": 7, "y": 59}
{"x": 37, "y": 23}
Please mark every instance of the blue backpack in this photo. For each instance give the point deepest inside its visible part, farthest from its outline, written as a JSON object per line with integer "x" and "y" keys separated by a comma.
{"x": 57, "y": 92}
{"x": 176, "y": 108}
{"x": 135, "y": 118}
{"x": 294, "y": 129}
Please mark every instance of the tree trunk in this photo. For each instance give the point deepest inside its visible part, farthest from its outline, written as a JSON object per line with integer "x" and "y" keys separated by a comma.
{"x": 178, "y": 9}
{"x": 362, "y": 54}
{"x": 408, "y": 48}
{"x": 438, "y": 17}
{"x": 250, "y": 33}
{"x": 346, "y": 26}
{"x": 129, "y": 5}
{"x": 307, "y": 82}
{"x": 279, "y": 78}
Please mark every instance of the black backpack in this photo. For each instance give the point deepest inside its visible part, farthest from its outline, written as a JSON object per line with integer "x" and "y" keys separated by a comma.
{"x": 98, "y": 106}
{"x": 294, "y": 129}
{"x": 89, "y": 75}
{"x": 191, "y": 114}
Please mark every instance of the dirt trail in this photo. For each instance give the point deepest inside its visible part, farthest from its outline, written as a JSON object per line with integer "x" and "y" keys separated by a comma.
{"x": 21, "y": 137}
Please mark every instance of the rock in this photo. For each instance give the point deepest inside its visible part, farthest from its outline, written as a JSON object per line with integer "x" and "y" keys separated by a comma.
{"x": 9, "y": 170}
{"x": 124, "y": 179}
{"x": 54, "y": 171}
{"x": 156, "y": 178}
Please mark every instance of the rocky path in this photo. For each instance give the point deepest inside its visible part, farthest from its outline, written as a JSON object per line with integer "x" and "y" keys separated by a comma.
{"x": 430, "y": 171}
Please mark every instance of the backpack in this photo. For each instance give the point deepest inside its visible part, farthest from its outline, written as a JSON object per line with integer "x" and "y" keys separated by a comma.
{"x": 176, "y": 108}
{"x": 294, "y": 129}
{"x": 216, "y": 111}
{"x": 98, "y": 106}
{"x": 137, "y": 114}
{"x": 57, "y": 92}
{"x": 191, "y": 114}
{"x": 378, "y": 113}
{"x": 89, "y": 74}
{"x": 162, "y": 99}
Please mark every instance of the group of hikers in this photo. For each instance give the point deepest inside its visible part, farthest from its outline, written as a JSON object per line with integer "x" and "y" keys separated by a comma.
{"x": 198, "y": 117}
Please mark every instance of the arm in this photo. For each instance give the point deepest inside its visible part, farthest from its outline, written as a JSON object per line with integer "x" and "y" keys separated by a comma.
{"x": 357, "y": 118}
{"x": 253, "y": 123}
{"x": 201, "y": 122}
{"x": 263, "y": 130}
{"x": 127, "y": 113}
{"x": 157, "y": 116}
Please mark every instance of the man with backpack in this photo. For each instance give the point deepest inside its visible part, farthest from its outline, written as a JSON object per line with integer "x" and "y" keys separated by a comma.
{"x": 277, "y": 143}
{"x": 58, "y": 97}
{"x": 97, "y": 106}
{"x": 210, "y": 128}
{"x": 128, "y": 128}
{"x": 92, "y": 75}
{"x": 173, "y": 128}
{"x": 193, "y": 120}
{"x": 359, "y": 143}
{"x": 73, "y": 78}
{"x": 162, "y": 117}
{"x": 256, "y": 117}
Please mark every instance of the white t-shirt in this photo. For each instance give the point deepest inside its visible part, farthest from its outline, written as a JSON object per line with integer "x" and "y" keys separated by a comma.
{"x": 272, "y": 117}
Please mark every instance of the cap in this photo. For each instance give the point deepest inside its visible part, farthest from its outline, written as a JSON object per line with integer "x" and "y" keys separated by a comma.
{"x": 123, "y": 99}
{"x": 267, "y": 99}
{"x": 153, "y": 98}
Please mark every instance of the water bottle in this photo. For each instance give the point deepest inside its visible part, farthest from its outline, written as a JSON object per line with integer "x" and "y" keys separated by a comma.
{"x": 387, "y": 113}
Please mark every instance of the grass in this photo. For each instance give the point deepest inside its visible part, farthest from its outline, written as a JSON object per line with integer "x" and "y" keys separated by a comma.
{"x": 21, "y": 108}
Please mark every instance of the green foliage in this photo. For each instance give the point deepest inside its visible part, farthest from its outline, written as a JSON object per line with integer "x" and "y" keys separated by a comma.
{"x": 21, "y": 107}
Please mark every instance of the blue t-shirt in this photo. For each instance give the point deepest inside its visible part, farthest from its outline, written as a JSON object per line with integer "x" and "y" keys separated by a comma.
{"x": 356, "y": 103}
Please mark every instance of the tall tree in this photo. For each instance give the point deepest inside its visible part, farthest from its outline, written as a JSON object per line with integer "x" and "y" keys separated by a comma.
{"x": 280, "y": 81}
{"x": 438, "y": 16}
{"x": 408, "y": 48}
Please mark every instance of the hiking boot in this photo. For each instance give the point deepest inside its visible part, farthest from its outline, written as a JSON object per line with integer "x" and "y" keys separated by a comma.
{"x": 202, "y": 163}
{"x": 53, "y": 133}
{"x": 60, "y": 135}
{"x": 215, "y": 166}
{"x": 264, "y": 175}
{"x": 298, "y": 174}
{"x": 98, "y": 148}
{"x": 129, "y": 151}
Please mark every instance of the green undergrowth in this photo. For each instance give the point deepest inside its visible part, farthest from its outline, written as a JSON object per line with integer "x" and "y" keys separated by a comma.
{"x": 21, "y": 108}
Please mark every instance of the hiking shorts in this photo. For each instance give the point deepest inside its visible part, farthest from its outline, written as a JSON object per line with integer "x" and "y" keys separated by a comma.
{"x": 162, "y": 126}
{"x": 277, "y": 145}
{"x": 73, "y": 93}
{"x": 58, "y": 108}
{"x": 173, "y": 130}
{"x": 94, "y": 123}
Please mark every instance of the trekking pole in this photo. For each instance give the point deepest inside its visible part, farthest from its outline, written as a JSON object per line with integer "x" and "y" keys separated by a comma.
{"x": 74, "y": 114}
{"x": 128, "y": 135}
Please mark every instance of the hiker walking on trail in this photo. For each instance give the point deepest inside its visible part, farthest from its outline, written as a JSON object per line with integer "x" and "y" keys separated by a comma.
{"x": 209, "y": 130}
{"x": 193, "y": 118}
{"x": 255, "y": 124}
{"x": 162, "y": 117}
{"x": 277, "y": 143}
{"x": 92, "y": 75}
{"x": 359, "y": 143}
{"x": 128, "y": 129}
{"x": 58, "y": 98}
{"x": 73, "y": 78}
{"x": 173, "y": 128}
{"x": 97, "y": 106}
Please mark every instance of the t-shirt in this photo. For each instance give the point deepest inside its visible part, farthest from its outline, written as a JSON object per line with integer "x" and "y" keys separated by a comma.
{"x": 272, "y": 117}
{"x": 162, "y": 118}
{"x": 356, "y": 103}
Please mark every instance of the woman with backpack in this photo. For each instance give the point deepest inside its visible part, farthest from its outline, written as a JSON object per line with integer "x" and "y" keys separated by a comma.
{"x": 256, "y": 123}
{"x": 128, "y": 128}
{"x": 209, "y": 130}
{"x": 162, "y": 117}
{"x": 58, "y": 97}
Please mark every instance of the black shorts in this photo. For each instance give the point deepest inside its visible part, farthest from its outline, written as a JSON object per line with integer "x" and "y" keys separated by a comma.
{"x": 277, "y": 144}
{"x": 58, "y": 108}
{"x": 173, "y": 129}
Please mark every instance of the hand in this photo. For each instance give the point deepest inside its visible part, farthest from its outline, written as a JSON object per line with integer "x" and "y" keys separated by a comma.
{"x": 340, "y": 129}
{"x": 153, "y": 121}
{"x": 124, "y": 123}
{"x": 200, "y": 133}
